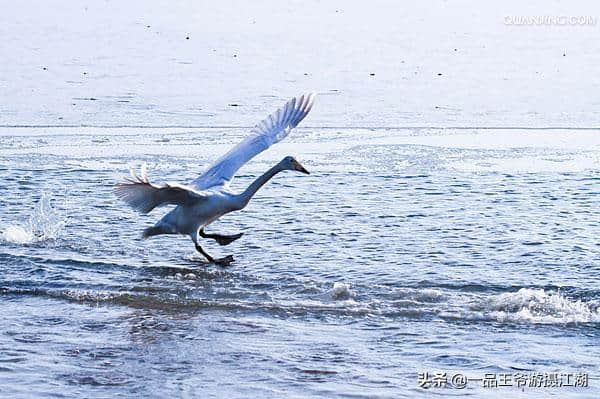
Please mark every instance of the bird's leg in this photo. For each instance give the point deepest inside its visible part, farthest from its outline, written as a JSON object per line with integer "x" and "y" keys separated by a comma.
{"x": 204, "y": 253}
{"x": 221, "y": 261}
{"x": 219, "y": 238}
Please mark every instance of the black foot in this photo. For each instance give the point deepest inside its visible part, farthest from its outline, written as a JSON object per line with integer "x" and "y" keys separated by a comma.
{"x": 226, "y": 261}
{"x": 219, "y": 238}
{"x": 226, "y": 240}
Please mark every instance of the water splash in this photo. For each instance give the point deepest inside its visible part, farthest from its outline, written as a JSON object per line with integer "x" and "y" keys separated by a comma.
{"x": 540, "y": 306}
{"x": 340, "y": 291}
{"x": 45, "y": 223}
{"x": 17, "y": 235}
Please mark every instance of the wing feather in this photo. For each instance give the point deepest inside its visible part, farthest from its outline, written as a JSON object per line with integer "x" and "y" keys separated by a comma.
{"x": 269, "y": 131}
{"x": 143, "y": 196}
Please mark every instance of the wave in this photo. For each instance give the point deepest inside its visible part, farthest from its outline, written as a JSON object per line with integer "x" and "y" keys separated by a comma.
{"x": 538, "y": 306}
{"x": 181, "y": 302}
{"x": 417, "y": 295}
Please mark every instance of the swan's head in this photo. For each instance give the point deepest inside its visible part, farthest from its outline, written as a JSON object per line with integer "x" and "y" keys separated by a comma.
{"x": 290, "y": 163}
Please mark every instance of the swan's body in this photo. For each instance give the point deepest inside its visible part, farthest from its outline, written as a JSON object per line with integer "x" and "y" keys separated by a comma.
{"x": 208, "y": 197}
{"x": 188, "y": 219}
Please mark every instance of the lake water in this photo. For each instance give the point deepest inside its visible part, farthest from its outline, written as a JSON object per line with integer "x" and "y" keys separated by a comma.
{"x": 399, "y": 254}
{"x": 450, "y": 223}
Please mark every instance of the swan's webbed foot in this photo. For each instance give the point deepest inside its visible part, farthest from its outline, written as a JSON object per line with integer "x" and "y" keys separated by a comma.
{"x": 226, "y": 261}
{"x": 226, "y": 240}
{"x": 219, "y": 238}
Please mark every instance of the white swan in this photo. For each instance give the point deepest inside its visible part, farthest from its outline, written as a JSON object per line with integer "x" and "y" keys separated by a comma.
{"x": 208, "y": 197}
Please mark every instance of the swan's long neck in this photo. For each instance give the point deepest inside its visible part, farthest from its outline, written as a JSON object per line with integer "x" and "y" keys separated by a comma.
{"x": 247, "y": 195}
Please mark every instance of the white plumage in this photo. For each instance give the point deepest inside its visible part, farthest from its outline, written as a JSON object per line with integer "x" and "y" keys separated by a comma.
{"x": 269, "y": 131}
{"x": 144, "y": 196}
{"x": 207, "y": 197}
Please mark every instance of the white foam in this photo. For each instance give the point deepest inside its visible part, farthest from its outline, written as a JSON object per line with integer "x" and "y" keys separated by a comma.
{"x": 340, "y": 291}
{"x": 418, "y": 295}
{"x": 429, "y": 295}
{"x": 540, "y": 306}
{"x": 17, "y": 235}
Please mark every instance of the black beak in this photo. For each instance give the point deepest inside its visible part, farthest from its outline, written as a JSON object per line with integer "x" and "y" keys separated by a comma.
{"x": 301, "y": 169}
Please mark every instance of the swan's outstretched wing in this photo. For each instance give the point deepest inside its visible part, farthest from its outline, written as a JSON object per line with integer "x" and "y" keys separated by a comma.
{"x": 144, "y": 196}
{"x": 268, "y": 132}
